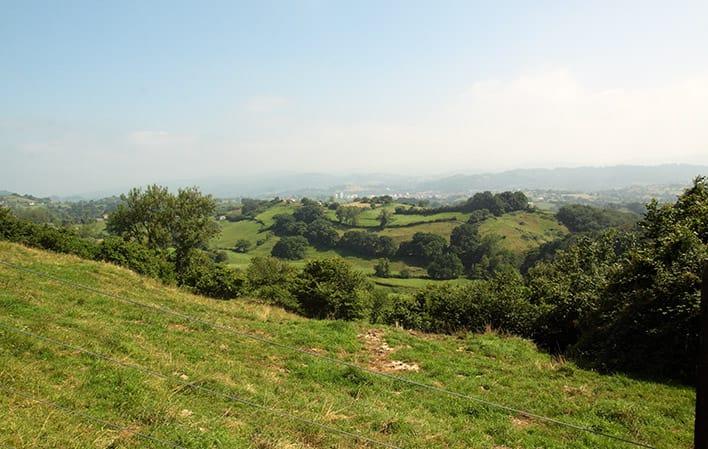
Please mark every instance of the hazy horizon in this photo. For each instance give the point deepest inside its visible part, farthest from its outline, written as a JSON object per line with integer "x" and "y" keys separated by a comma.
{"x": 99, "y": 97}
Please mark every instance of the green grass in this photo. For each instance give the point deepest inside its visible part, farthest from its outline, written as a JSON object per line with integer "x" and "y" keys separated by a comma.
{"x": 400, "y": 234}
{"x": 496, "y": 368}
{"x": 267, "y": 216}
{"x": 233, "y": 231}
{"x": 522, "y": 231}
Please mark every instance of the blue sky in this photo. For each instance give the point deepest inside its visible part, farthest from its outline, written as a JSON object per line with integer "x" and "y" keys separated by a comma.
{"x": 98, "y": 95}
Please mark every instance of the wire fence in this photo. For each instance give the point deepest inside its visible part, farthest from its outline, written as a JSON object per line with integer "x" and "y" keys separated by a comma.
{"x": 274, "y": 343}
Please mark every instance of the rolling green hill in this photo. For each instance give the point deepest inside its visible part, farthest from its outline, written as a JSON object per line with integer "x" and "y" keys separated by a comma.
{"x": 519, "y": 231}
{"x": 199, "y": 373}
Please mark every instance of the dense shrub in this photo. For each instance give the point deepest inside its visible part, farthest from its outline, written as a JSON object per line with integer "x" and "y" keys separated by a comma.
{"x": 405, "y": 311}
{"x": 367, "y": 244}
{"x": 581, "y": 218}
{"x": 309, "y": 213}
{"x": 290, "y": 248}
{"x": 287, "y": 225}
{"x": 382, "y": 268}
{"x": 242, "y": 246}
{"x": 208, "y": 278}
{"x": 424, "y": 247}
{"x": 322, "y": 234}
{"x": 445, "y": 266}
{"x": 271, "y": 279}
{"x": 136, "y": 257}
{"x": 330, "y": 288}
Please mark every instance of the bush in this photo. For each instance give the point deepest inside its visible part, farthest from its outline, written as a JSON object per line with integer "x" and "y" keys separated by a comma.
{"x": 322, "y": 234}
{"x": 136, "y": 257}
{"x": 445, "y": 266}
{"x": 424, "y": 246}
{"x": 368, "y": 244}
{"x": 242, "y": 246}
{"x": 330, "y": 288}
{"x": 382, "y": 268}
{"x": 405, "y": 311}
{"x": 290, "y": 248}
{"x": 215, "y": 280}
{"x": 271, "y": 279}
{"x": 405, "y": 273}
{"x": 287, "y": 225}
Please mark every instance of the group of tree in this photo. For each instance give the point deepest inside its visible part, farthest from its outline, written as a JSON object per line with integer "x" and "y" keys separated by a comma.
{"x": 493, "y": 203}
{"x": 582, "y": 218}
{"x": 616, "y": 299}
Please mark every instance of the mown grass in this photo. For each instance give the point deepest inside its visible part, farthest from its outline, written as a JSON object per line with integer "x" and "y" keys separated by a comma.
{"x": 496, "y": 368}
{"x": 522, "y": 231}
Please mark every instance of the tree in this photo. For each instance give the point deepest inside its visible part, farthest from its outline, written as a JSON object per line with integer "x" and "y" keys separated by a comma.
{"x": 382, "y": 268}
{"x": 465, "y": 242}
{"x": 424, "y": 246}
{"x": 581, "y": 218}
{"x": 330, "y": 288}
{"x": 286, "y": 224}
{"x": 308, "y": 213}
{"x": 348, "y": 215}
{"x": 385, "y": 218}
{"x": 192, "y": 224}
{"x": 164, "y": 221}
{"x": 242, "y": 246}
{"x": 322, "y": 234}
{"x": 290, "y": 247}
{"x": 445, "y": 266}
{"x": 478, "y": 216}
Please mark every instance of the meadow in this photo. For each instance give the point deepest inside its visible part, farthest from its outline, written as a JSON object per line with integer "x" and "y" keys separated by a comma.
{"x": 199, "y": 374}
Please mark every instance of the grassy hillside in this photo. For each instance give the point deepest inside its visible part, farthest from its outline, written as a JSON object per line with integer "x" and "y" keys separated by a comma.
{"x": 196, "y": 357}
{"x": 522, "y": 231}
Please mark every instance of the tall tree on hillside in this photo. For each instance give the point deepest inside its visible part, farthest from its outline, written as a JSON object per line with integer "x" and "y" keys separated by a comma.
{"x": 163, "y": 221}
{"x": 385, "y": 218}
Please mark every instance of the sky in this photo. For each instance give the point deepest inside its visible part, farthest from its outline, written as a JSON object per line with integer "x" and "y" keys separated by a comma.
{"x": 104, "y": 95}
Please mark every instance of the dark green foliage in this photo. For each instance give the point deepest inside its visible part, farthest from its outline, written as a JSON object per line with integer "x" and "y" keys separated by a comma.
{"x": 648, "y": 319}
{"x": 242, "y": 246}
{"x": 163, "y": 221}
{"x": 208, "y": 278}
{"x": 580, "y": 218}
{"x": 496, "y": 204}
{"x": 478, "y": 216}
{"x": 330, "y": 288}
{"x": 136, "y": 257}
{"x": 285, "y": 224}
{"x": 445, "y": 266}
{"x": 367, "y": 244}
{"x": 44, "y": 236}
{"x": 271, "y": 279}
{"x": 465, "y": 242}
{"x": 322, "y": 234}
{"x": 290, "y": 247}
{"x": 424, "y": 247}
{"x": 382, "y": 268}
{"x": 309, "y": 212}
{"x": 404, "y": 310}
{"x": 348, "y": 215}
{"x": 499, "y": 303}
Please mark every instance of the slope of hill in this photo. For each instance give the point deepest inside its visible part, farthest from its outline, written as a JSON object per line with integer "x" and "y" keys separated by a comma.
{"x": 199, "y": 372}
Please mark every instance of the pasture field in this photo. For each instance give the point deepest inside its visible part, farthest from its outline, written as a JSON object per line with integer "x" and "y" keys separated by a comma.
{"x": 522, "y": 231}
{"x": 193, "y": 396}
{"x": 233, "y": 231}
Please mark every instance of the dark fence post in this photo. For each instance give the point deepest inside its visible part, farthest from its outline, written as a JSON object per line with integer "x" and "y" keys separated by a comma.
{"x": 701, "y": 427}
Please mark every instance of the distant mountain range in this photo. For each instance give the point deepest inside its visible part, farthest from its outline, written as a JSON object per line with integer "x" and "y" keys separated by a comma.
{"x": 580, "y": 179}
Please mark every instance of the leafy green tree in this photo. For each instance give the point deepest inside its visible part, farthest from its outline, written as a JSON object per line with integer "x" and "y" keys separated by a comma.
{"x": 445, "y": 266}
{"x": 293, "y": 247}
{"x": 348, "y": 215}
{"x": 309, "y": 212}
{"x": 322, "y": 234}
{"x": 163, "y": 221}
{"x": 286, "y": 224}
{"x": 385, "y": 218}
{"x": 330, "y": 288}
{"x": 465, "y": 242}
{"x": 382, "y": 268}
{"x": 478, "y": 216}
{"x": 581, "y": 218}
{"x": 242, "y": 246}
{"x": 424, "y": 246}
{"x": 271, "y": 279}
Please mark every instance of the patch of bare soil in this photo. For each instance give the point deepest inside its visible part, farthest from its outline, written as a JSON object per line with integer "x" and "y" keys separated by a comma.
{"x": 380, "y": 352}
